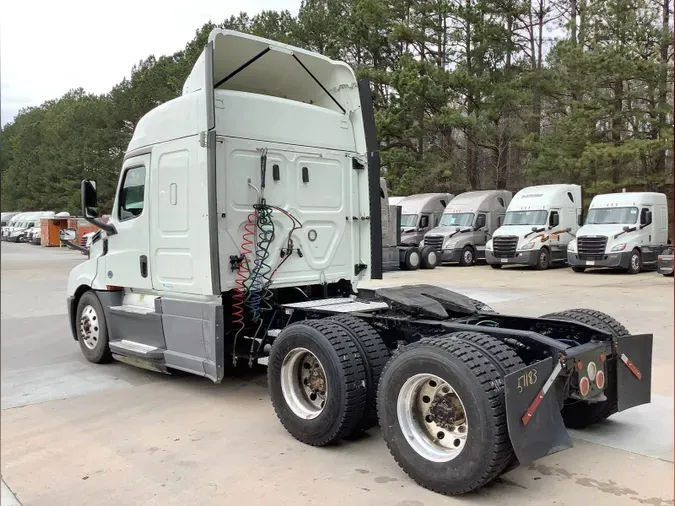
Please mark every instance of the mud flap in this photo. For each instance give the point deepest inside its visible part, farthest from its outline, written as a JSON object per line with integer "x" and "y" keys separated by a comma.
{"x": 634, "y": 370}
{"x": 543, "y": 433}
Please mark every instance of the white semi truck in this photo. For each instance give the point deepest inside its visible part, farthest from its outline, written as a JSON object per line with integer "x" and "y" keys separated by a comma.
{"x": 625, "y": 231}
{"x": 467, "y": 223}
{"x": 246, "y": 215}
{"x": 540, "y": 221}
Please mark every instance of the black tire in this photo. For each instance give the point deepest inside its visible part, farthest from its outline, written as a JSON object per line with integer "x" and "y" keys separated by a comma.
{"x": 412, "y": 259}
{"x": 580, "y": 414}
{"x": 543, "y": 259}
{"x": 635, "y": 263}
{"x": 93, "y": 323}
{"x": 430, "y": 257}
{"x": 496, "y": 266}
{"x": 344, "y": 373}
{"x": 468, "y": 256}
{"x": 476, "y": 380}
{"x": 503, "y": 357}
{"x": 375, "y": 356}
{"x": 577, "y": 268}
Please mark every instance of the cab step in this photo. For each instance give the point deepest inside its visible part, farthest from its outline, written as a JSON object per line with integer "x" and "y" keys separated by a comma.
{"x": 135, "y": 349}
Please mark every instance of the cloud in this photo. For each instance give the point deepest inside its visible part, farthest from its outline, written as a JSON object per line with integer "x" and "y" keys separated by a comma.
{"x": 76, "y": 43}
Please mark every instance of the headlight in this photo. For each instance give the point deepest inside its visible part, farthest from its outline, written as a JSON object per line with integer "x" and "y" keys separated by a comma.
{"x": 529, "y": 245}
{"x": 421, "y": 244}
{"x": 488, "y": 245}
{"x": 572, "y": 246}
{"x": 619, "y": 247}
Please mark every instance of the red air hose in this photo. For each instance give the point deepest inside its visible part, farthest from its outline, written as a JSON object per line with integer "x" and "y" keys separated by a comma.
{"x": 248, "y": 238}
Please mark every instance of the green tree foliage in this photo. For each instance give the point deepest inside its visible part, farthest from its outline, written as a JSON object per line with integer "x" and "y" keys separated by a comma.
{"x": 469, "y": 94}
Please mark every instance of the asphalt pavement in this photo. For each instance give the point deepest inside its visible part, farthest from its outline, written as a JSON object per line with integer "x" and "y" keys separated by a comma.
{"x": 73, "y": 433}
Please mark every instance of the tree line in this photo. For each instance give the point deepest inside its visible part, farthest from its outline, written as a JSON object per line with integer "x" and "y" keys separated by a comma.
{"x": 469, "y": 94}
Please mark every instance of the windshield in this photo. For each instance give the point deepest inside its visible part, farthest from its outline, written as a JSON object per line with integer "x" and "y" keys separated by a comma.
{"x": 525, "y": 218}
{"x": 612, "y": 215}
{"x": 408, "y": 220}
{"x": 456, "y": 220}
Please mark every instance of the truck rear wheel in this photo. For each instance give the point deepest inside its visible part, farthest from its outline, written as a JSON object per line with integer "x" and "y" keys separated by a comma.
{"x": 317, "y": 382}
{"x": 503, "y": 357}
{"x": 411, "y": 260}
{"x": 375, "y": 356}
{"x": 430, "y": 258}
{"x": 580, "y": 414}
{"x": 92, "y": 329}
{"x": 442, "y": 415}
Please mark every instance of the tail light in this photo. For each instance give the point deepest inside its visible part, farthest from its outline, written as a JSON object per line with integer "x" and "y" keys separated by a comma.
{"x": 592, "y": 370}
{"x": 600, "y": 380}
{"x": 584, "y": 386}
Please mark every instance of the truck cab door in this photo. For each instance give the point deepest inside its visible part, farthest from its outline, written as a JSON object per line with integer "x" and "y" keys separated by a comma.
{"x": 646, "y": 234}
{"x": 126, "y": 260}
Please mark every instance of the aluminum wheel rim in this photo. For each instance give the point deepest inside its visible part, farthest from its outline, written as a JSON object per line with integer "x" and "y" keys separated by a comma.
{"x": 89, "y": 329}
{"x": 414, "y": 258}
{"x": 432, "y": 258}
{"x": 635, "y": 261}
{"x": 432, "y": 418}
{"x": 544, "y": 256}
{"x": 468, "y": 256}
{"x": 303, "y": 383}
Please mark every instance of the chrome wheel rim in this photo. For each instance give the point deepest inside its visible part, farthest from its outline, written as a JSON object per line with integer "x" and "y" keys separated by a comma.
{"x": 635, "y": 261}
{"x": 414, "y": 259}
{"x": 432, "y": 258}
{"x": 303, "y": 383}
{"x": 468, "y": 256}
{"x": 89, "y": 327}
{"x": 544, "y": 257}
{"x": 432, "y": 418}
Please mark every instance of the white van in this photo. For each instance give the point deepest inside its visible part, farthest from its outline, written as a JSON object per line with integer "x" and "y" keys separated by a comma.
{"x": 625, "y": 231}
{"x": 539, "y": 223}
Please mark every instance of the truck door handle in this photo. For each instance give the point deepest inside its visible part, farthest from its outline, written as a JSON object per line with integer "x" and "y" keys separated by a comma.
{"x": 144, "y": 266}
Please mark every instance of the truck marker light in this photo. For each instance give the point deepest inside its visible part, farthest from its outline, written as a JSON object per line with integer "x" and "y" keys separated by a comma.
{"x": 537, "y": 400}
{"x": 602, "y": 357}
{"x": 600, "y": 380}
{"x": 584, "y": 386}
{"x": 580, "y": 365}
{"x": 592, "y": 370}
{"x": 636, "y": 372}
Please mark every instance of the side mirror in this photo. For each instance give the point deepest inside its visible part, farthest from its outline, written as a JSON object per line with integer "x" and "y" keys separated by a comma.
{"x": 67, "y": 234}
{"x": 90, "y": 207}
{"x": 626, "y": 228}
{"x": 568, "y": 229}
{"x": 534, "y": 229}
{"x": 89, "y": 199}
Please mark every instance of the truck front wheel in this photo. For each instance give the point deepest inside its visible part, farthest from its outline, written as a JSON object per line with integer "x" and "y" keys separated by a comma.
{"x": 442, "y": 415}
{"x": 543, "y": 259}
{"x": 635, "y": 263}
{"x": 92, "y": 330}
{"x": 317, "y": 382}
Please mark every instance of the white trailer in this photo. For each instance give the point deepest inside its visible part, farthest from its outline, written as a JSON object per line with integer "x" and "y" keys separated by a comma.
{"x": 624, "y": 231}
{"x": 539, "y": 223}
{"x": 246, "y": 214}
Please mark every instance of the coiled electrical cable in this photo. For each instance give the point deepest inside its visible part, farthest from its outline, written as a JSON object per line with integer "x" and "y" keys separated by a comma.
{"x": 243, "y": 274}
{"x": 260, "y": 293}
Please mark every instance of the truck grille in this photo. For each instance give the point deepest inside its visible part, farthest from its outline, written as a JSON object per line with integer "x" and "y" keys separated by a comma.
{"x": 435, "y": 241}
{"x": 505, "y": 246}
{"x": 591, "y": 248}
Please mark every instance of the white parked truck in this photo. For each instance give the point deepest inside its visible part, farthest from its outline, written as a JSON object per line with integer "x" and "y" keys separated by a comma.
{"x": 625, "y": 231}
{"x": 246, "y": 215}
{"x": 540, "y": 221}
{"x": 467, "y": 223}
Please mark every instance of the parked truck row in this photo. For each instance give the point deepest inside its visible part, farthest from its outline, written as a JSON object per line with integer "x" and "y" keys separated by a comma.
{"x": 539, "y": 226}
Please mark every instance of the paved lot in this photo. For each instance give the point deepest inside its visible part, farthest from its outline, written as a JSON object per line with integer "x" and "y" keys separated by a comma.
{"x": 74, "y": 433}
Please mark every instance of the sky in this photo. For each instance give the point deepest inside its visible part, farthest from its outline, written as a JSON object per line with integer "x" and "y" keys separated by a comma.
{"x": 48, "y": 47}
